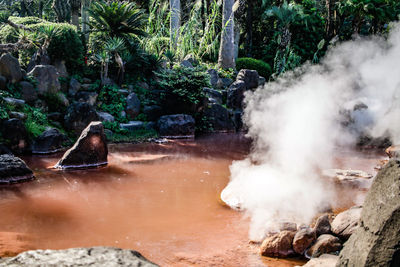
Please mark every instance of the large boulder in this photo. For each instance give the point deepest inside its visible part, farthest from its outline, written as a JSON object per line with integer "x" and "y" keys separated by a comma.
{"x": 14, "y": 131}
{"x": 78, "y": 116}
{"x": 346, "y": 223}
{"x": 303, "y": 239}
{"x": 323, "y": 225}
{"x": 96, "y": 257}
{"x": 90, "y": 151}
{"x": 219, "y": 118}
{"x": 153, "y": 112}
{"x": 249, "y": 77}
{"x": 74, "y": 86}
{"x": 28, "y": 92}
{"x": 236, "y": 95}
{"x": 376, "y": 241}
{"x": 213, "y": 77}
{"x": 325, "y": 260}
{"x": 325, "y": 244}
{"x": 213, "y": 94}
{"x": 105, "y": 117}
{"x": 10, "y": 68}
{"x": 14, "y": 170}
{"x": 47, "y": 77}
{"x": 50, "y": 141}
{"x": 87, "y": 97}
{"x": 176, "y": 126}
{"x": 132, "y": 126}
{"x": 393, "y": 152}
{"x": 132, "y": 105}
{"x": 278, "y": 245}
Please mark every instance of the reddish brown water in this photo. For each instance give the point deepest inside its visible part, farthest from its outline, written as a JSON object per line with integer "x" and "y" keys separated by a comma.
{"x": 160, "y": 199}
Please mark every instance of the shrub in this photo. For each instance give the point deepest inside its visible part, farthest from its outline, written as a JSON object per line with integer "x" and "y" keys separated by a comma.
{"x": 112, "y": 101}
{"x": 66, "y": 45}
{"x": 182, "y": 89}
{"x": 263, "y": 68}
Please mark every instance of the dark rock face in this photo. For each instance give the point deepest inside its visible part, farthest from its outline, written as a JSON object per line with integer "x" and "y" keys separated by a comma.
{"x": 87, "y": 97}
{"x": 4, "y": 150}
{"x": 47, "y": 77}
{"x": 133, "y": 126}
{"x": 132, "y": 105}
{"x": 176, "y": 126}
{"x": 376, "y": 241}
{"x": 10, "y": 68}
{"x": 96, "y": 257}
{"x": 346, "y": 223}
{"x": 78, "y": 116}
{"x": 89, "y": 151}
{"x": 3, "y": 83}
{"x": 303, "y": 239}
{"x": 278, "y": 245}
{"x": 107, "y": 117}
{"x": 219, "y": 118}
{"x": 14, "y": 170}
{"x": 28, "y": 92}
{"x": 153, "y": 113}
{"x": 213, "y": 77}
{"x": 74, "y": 86}
{"x": 236, "y": 95}
{"x": 323, "y": 225}
{"x": 325, "y": 244}
{"x": 214, "y": 94}
{"x": 49, "y": 141}
{"x": 15, "y": 132}
{"x": 249, "y": 77}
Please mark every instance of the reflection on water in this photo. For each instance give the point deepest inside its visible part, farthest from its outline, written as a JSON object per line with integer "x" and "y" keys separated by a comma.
{"x": 159, "y": 199}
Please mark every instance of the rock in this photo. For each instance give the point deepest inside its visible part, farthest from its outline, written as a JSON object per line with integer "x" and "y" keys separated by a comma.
{"x": 186, "y": 64}
{"x": 219, "y": 118}
{"x": 325, "y": 260}
{"x": 278, "y": 245}
{"x": 236, "y": 95}
{"x": 10, "y": 68}
{"x": 287, "y": 226}
{"x": 108, "y": 133}
{"x": 249, "y": 77}
{"x": 78, "y": 117}
{"x": 215, "y": 94}
{"x": 354, "y": 178}
{"x": 224, "y": 83}
{"x": 74, "y": 86}
{"x": 47, "y": 77}
{"x": 87, "y": 97}
{"x": 15, "y": 132}
{"x": 132, "y": 126}
{"x": 89, "y": 151}
{"x": 14, "y": 102}
{"x": 261, "y": 81}
{"x": 123, "y": 92}
{"x": 55, "y": 116}
{"x": 393, "y": 152}
{"x": 325, "y": 244}
{"x": 50, "y": 141}
{"x": 5, "y": 150}
{"x": 17, "y": 115}
{"x": 62, "y": 99}
{"x": 14, "y": 170}
{"x": 153, "y": 113}
{"x": 192, "y": 60}
{"x": 132, "y": 105}
{"x": 213, "y": 77}
{"x": 237, "y": 119}
{"x": 375, "y": 242}
{"x": 323, "y": 225}
{"x": 86, "y": 80}
{"x": 28, "y": 92}
{"x": 151, "y": 125}
{"x": 86, "y": 86}
{"x": 346, "y": 223}
{"x": 107, "y": 117}
{"x": 142, "y": 85}
{"x": 303, "y": 240}
{"x": 96, "y": 257}
{"x": 61, "y": 68}
{"x": 176, "y": 126}
{"x": 3, "y": 83}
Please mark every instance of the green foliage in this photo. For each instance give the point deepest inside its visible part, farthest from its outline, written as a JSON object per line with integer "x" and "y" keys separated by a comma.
{"x": 65, "y": 43}
{"x": 182, "y": 89}
{"x": 263, "y": 69}
{"x": 36, "y": 122}
{"x": 112, "y": 101}
{"x": 227, "y": 73}
{"x": 54, "y": 102}
{"x": 137, "y": 136}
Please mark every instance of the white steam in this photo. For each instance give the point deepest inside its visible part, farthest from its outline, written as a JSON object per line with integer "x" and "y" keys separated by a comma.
{"x": 296, "y": 122}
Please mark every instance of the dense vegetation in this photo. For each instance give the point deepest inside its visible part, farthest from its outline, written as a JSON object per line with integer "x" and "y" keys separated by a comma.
{"x": 161, "y": 50}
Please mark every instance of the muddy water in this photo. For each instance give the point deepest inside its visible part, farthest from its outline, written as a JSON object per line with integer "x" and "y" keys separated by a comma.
{"x": 159, "y": 199}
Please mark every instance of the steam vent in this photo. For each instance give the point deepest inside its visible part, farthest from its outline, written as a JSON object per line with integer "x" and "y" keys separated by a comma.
{"x": 377, "y": 241}
{"x": 90, "y": 151}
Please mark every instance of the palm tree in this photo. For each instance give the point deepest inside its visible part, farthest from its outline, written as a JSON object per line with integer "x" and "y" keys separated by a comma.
{"x": 226, "y": 58}
{"x": 116, "y": 19}
{"x": 75, "y": 9}
{"x": 175, "y": 22}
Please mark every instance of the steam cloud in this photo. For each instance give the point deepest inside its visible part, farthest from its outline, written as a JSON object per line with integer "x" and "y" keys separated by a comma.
{"x": 296, "y": 122}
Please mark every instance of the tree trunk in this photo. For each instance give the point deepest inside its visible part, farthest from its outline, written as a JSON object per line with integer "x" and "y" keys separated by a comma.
{"x": 226, "y": 58}
{"x": 85, "y": 17}
{"x": 249, "y": 29}
{"x": 62, "y": 10}
{"x": 75, "y": 9}
{"x": 41, "y": 6}
{"x": 175, "y": 9}
{"x": 330, "y": 19}
{"x": 237, "y": 39}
